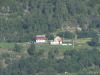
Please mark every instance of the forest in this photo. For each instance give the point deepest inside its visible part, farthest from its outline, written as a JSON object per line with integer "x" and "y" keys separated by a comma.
{"x": 22, "y": 20}
{"x": 74, "y": 62}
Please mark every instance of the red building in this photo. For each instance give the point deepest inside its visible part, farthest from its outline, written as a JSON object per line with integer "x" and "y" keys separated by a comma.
{"x": 41, "y": 39}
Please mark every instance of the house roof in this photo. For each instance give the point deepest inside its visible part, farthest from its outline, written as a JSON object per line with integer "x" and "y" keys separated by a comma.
{"x": 57, "y": 39}
{"x": 40, "y": 36}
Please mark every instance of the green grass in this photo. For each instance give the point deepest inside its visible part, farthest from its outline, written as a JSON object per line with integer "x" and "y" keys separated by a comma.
{"x": 79, "y": 45}
{"x": 49, "y": 47}
{"x": 62, "y": 48}
{"x": 82, "y": 40}
{"x": 7, "y": 45}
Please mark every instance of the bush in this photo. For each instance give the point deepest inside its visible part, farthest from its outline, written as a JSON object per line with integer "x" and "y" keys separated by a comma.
{"x": 31, "y": 50}
{"x": 17, "y": 48}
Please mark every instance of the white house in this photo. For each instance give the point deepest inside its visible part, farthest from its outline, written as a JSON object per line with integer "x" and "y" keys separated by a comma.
{"x": 41, "y": 39}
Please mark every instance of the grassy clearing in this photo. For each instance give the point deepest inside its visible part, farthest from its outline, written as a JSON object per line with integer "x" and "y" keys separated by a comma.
{"x": 62, "y": 48}
{"x": 82, "y": 41}
{"x": 7, "y": 45}
{"x": 79, "y": 44}
{"x": 47, "y": 47}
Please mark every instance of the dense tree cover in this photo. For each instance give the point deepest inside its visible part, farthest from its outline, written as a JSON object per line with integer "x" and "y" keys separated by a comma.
{"x": 50, "y": 36}
{"x": 94, "y": 41}
{"x": 66, "y": 34}
{"x": 95, "y": 23}
{"x": 81, "y": 62}
{"x": 86, "y": 34}
{"x": 21, "y": 20}
{"x": 33, "y": 52}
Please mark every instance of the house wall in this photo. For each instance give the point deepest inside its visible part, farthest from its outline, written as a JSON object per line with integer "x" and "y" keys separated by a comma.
{"x": 40, "y": 41}
{"x": 55, "y": 43}
{"x": 67, "y": 44}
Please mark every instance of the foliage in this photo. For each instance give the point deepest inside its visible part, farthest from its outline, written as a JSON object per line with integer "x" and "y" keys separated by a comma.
{"x": 20, "y": 21}
{"x": 50, "y": 36}
{"x": 80, "y": 62}
{"x": 51, "y": 54}
{"x": 17, "y": 48}
{"x": 66, "y": 34}
{"x": 85, "y": 33}
{"x": 31, "y": 50}
{"x": 94, "y": 41}
{"x": 95, "y": 23}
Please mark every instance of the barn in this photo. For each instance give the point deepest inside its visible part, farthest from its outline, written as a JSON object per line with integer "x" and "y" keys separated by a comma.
{"x": 41, "y": 39}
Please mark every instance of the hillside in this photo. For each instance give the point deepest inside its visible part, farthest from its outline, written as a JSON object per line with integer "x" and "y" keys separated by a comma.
{"x": 77, "y": 21}
{"x": 21, "y": 20}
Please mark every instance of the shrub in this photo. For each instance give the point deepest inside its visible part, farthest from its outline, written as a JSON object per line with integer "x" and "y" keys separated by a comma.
{"x": 17, "y": 48}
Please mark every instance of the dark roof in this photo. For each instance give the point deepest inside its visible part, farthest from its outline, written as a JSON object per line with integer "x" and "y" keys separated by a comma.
{"x": 67, "y": 41}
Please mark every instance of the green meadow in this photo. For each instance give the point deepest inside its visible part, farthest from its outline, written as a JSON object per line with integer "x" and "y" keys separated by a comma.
{"x": 7, "y": 45}
{"x": 79, "y": 44}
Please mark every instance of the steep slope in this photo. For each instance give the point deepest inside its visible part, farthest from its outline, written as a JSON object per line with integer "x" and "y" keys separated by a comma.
{"x": 21, "y": 20}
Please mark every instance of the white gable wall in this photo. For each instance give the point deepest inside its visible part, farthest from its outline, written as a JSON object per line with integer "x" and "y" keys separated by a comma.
{"x": 40, "y": 41}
